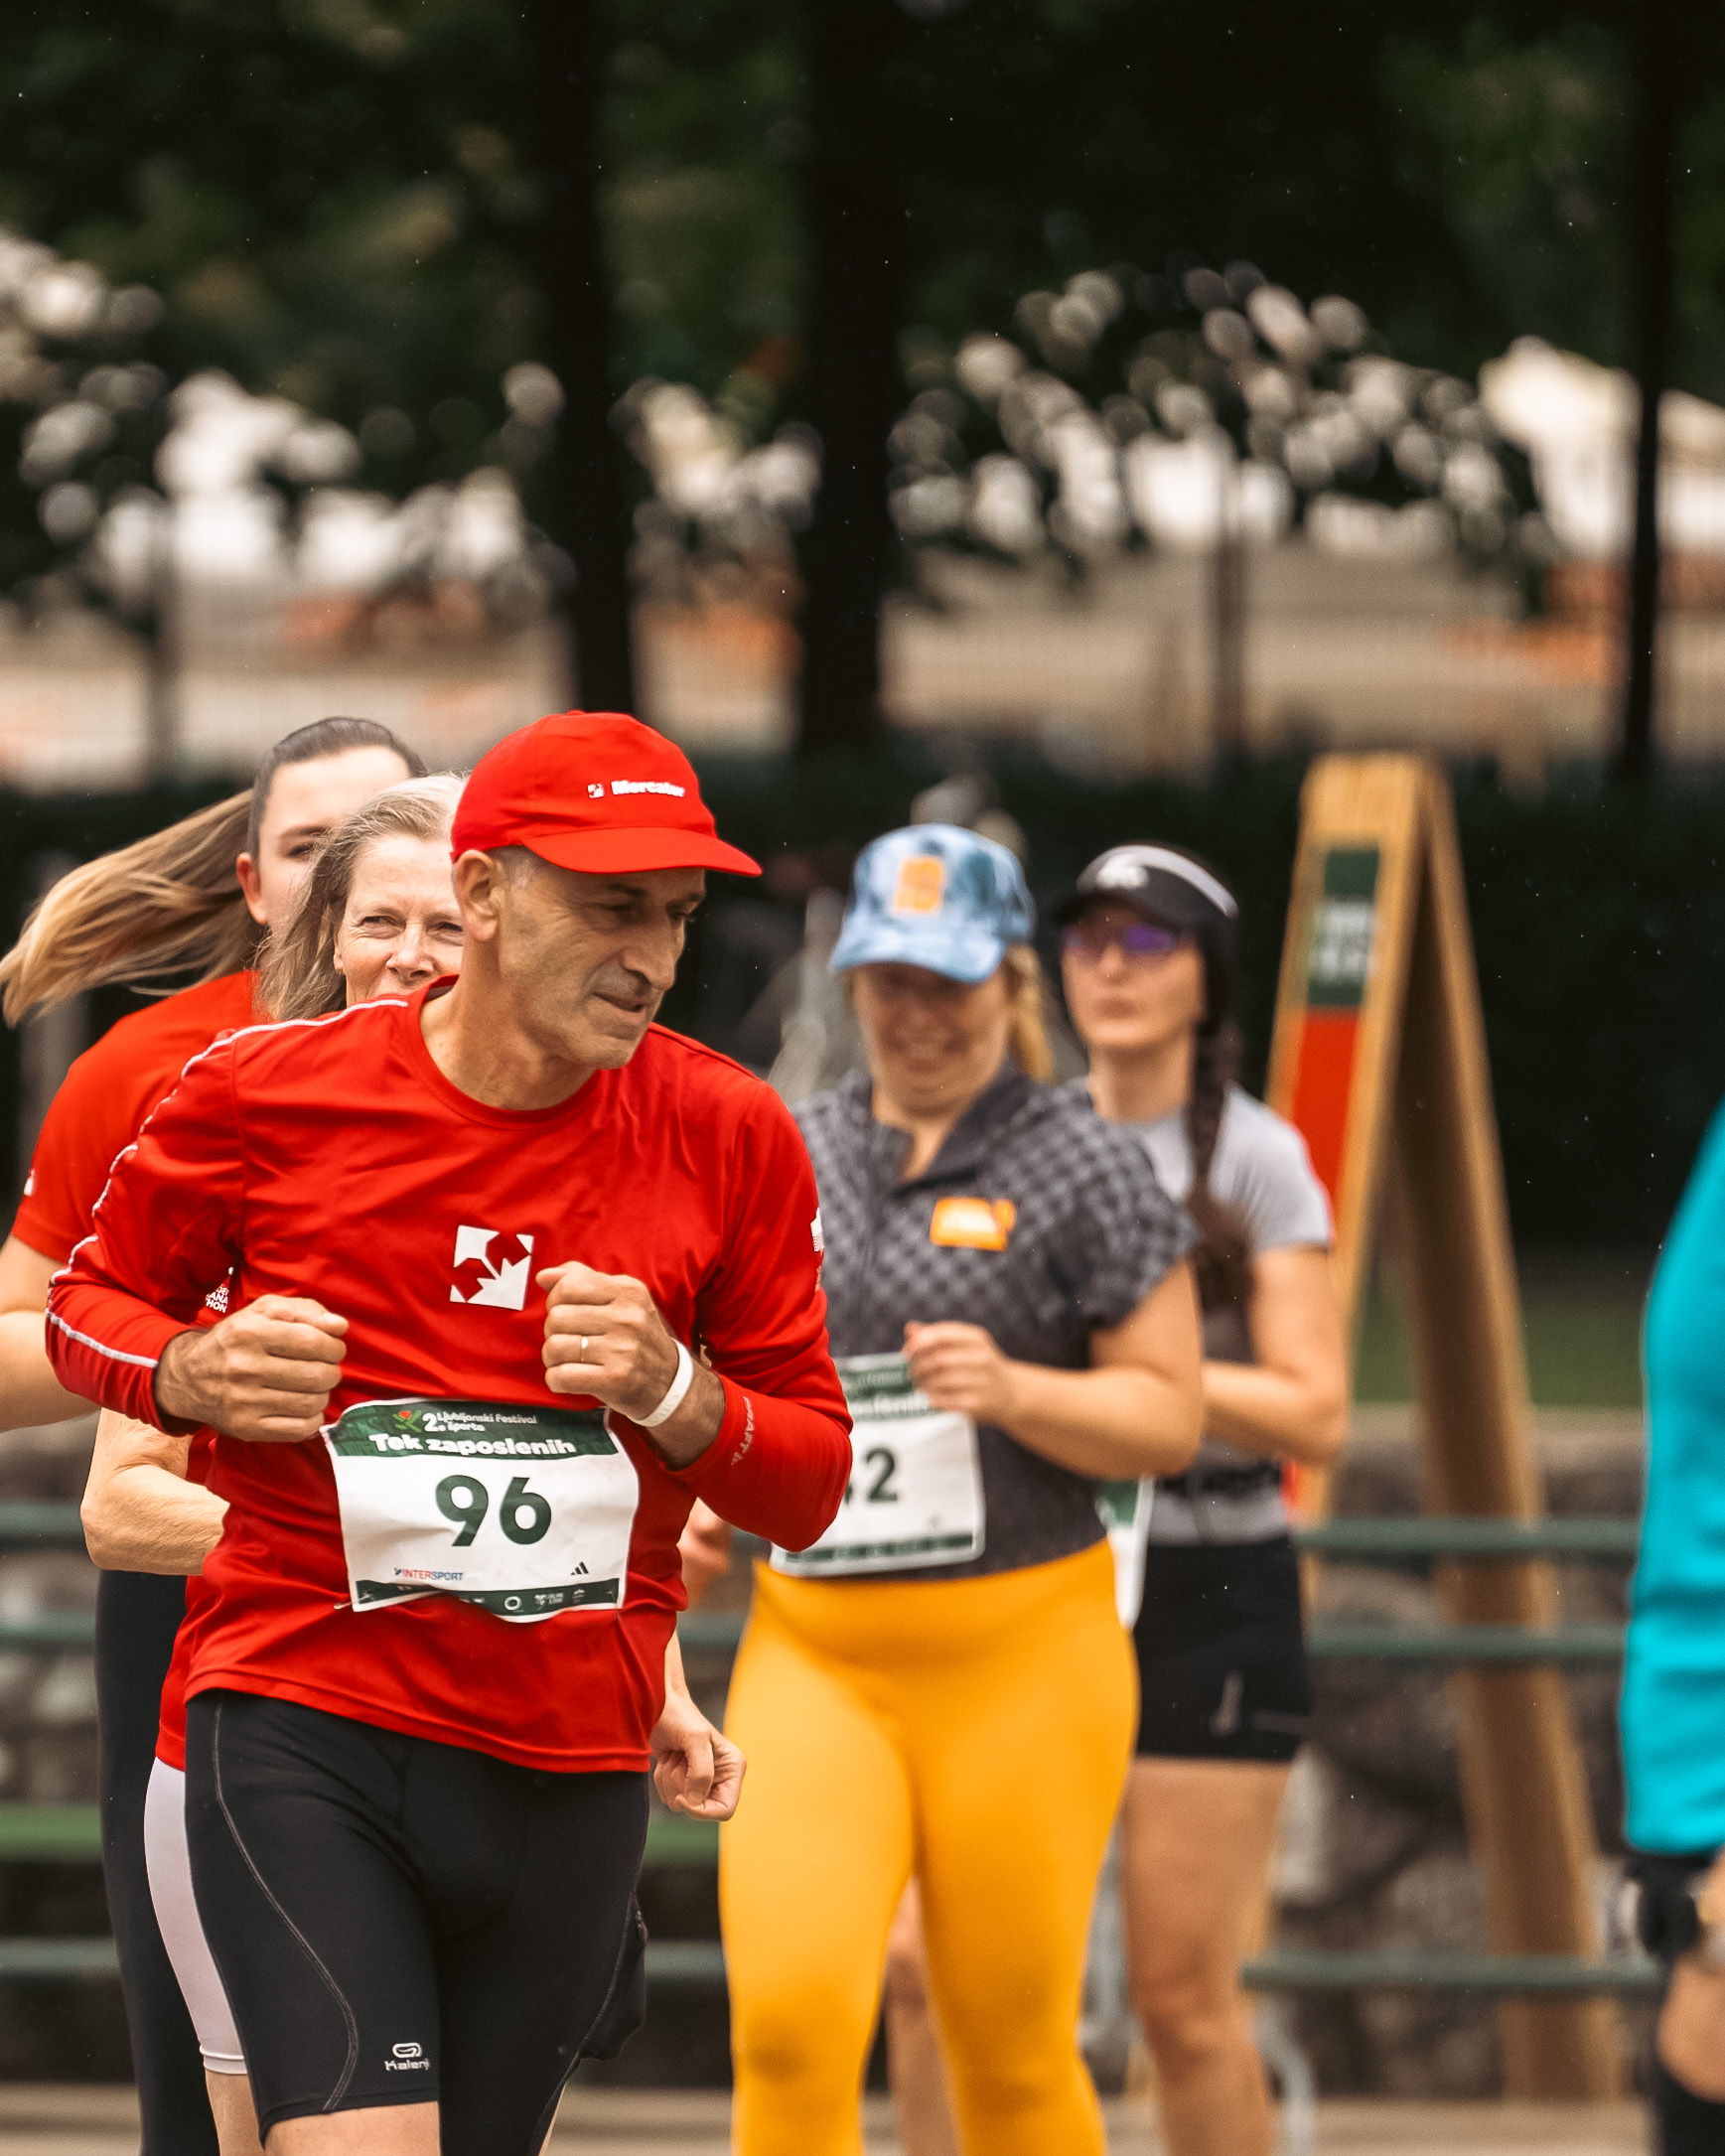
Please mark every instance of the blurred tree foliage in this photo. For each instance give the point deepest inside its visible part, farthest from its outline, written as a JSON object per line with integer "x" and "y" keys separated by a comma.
{"x": 339, "y": 199}
{"x": 333, "y": 194}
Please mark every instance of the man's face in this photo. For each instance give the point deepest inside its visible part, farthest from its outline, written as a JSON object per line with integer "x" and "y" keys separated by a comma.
{"x": 306, "y": 803}
{"x": 586, "y": 960}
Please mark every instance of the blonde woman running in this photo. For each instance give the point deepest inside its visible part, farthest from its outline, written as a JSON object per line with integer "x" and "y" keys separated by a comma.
{"x": 940, "y": 1687}
{"x": 197, "y": 897}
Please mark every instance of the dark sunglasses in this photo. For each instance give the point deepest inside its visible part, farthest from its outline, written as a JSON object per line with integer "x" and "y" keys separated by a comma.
{"x": 1137, "y": 939}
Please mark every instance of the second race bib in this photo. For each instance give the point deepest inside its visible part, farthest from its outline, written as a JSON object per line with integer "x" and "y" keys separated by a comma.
{"x": 1125, "y": 1510}
{"x": 523, "y": 1510}
{"x": 915, "y": 1496}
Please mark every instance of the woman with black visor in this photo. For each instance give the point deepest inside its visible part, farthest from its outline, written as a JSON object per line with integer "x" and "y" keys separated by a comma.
{"x": 1148, "y": 947}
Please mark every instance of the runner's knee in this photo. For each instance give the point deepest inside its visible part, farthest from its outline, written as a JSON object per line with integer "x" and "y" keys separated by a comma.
{"x": 1189, "y": 2011}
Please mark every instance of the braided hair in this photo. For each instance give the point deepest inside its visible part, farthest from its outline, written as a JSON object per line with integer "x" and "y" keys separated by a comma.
{"x": 1222, "y": 1259}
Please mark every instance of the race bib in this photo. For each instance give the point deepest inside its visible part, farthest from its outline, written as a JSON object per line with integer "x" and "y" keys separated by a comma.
{"x": 523, "y": 1510}
{"x": 1125, "y": 1510}
{"x": 915, "y": 1496}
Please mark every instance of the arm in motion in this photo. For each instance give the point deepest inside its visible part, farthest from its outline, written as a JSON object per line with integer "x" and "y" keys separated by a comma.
{"x": 139, "y": 1512}
{"x": 1136, "y": 1411}
{"x": 696, "y": 1770}
{"x": 1292, "y": 1403}
{"x": 763, "y": 1435}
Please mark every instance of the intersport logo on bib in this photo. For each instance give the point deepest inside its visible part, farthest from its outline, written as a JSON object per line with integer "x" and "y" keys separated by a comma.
{"x": 497, "y": 1281}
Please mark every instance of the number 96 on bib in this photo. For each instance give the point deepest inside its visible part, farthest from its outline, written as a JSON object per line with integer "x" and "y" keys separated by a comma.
{"x": 523, "y": 1510}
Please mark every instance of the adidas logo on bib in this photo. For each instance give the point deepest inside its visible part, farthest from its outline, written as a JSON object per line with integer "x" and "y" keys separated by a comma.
{"x": 500, "y": 1283}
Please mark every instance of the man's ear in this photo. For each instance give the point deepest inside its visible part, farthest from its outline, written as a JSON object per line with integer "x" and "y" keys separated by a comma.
{"x": 481, "y": 891}
{"x": 252, "y": 886}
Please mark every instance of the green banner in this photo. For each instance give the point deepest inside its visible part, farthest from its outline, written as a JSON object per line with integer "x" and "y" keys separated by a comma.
{"x": 467, "y": 1429}
{"x": 848, "y": 1555}
{"x": 501, "y": 1602}
{"x": 1343, "y": 921}
{"x": 879, "y": 1384}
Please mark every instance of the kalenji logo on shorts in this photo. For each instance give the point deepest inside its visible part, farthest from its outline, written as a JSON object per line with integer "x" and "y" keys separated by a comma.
{"x": 407, "y": 2059}
{"x": 645, "y": 786}
{"x": 499, "y": 1282}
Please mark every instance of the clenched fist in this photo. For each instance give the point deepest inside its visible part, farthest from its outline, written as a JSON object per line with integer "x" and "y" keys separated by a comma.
{"x": 264, "y": 1373}
{"x": 959, "y": 1368}
{"x": 604, "y": 1336}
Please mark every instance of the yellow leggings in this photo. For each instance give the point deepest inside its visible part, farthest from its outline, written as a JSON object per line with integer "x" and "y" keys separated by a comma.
{"x": 975, "y": 1733}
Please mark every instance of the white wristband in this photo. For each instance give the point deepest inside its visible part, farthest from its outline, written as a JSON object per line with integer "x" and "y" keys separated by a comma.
{"x": 675, "y": 1396}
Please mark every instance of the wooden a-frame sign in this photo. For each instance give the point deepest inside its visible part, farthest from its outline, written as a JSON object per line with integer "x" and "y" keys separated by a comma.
{"x": 1378, "y": 1055}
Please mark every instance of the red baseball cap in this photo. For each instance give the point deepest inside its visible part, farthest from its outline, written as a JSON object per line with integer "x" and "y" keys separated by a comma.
{"x": 595, "y": 791}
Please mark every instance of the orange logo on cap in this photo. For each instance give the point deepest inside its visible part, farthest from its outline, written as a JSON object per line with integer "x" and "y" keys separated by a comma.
{"x": 973, "y": 1223}
{"x": 921, "y": 884}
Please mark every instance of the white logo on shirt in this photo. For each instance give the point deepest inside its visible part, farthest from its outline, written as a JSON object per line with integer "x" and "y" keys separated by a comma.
{"x": 645, "y": 786}
{"x": 817, "y": 1232}
{"x": 500, "y": 1286}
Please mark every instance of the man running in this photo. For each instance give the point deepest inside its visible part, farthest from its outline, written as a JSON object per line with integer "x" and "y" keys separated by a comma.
{"x": 472, "y": 1234}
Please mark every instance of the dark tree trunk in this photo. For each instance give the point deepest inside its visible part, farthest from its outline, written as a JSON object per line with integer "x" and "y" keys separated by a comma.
{"x": 857, "y": 240}
{"x": 1651, "y": 290}
{"x": 583, "y": 505}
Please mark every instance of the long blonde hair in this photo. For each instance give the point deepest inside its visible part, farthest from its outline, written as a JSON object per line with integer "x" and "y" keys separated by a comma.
{"x": 169, "y": 902}
{"x": 1027, "y": 1031}
{"x": 299, "y": 978}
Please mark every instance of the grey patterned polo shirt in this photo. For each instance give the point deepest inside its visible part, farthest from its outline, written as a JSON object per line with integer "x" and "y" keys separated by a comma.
{"x": 1093, "y": 1233}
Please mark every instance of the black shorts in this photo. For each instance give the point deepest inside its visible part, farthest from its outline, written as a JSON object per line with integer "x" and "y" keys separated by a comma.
{"x": 1221, "y": 1657}
{"x": 403, "y": 1921}
{"x": 1667, "y": 1923}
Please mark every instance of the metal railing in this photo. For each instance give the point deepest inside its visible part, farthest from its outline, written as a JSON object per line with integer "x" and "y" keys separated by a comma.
{"x": 70, "y": 1834}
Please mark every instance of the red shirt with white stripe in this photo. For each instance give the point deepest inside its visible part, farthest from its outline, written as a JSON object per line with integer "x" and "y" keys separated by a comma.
{"x": 106, "y": 1094}
{"x": 333, "y": 1159}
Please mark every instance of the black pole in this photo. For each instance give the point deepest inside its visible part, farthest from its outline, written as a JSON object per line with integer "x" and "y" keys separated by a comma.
{"x": 1228, "y": 623}
{"x": 857, "y": 245}
{"x": 1651, "y": 285}
{"x": 583, "y": 505}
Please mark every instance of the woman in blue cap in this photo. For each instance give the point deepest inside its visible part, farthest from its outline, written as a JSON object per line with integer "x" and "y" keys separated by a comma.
{"x": 940, "y": 1688}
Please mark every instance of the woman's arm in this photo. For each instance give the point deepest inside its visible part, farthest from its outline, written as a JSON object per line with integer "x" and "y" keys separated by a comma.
{"x": 1292, "y": 1403}
{"x": 139, "y": 1512}
{"x": 1137, "y": 1411}
{"x": 705, "y": 1550}
{"x": 696, "y": 1769}
{"x": 30, "y": 1393}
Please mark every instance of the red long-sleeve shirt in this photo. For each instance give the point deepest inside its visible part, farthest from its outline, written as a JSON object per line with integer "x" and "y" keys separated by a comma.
{"x": 332, "y": 1159}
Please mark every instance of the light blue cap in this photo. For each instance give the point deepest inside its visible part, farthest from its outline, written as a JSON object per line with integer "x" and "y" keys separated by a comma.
{"x": 935, "y": 896}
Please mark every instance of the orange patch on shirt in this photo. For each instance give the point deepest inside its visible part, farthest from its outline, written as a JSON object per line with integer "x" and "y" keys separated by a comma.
{"x": 972, "y": 1224}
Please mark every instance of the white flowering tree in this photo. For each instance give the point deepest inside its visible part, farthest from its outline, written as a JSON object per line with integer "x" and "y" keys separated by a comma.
{"x": 1128, "y": 409}
{"x": 146, "y": 498}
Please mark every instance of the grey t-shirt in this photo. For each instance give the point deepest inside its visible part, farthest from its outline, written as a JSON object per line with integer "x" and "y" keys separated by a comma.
{"x": 1261, "y": 1169}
